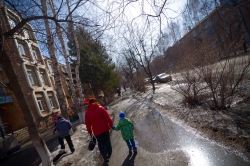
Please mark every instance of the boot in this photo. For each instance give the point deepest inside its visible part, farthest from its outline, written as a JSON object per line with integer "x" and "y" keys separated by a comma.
{"x": 130, "y": 152}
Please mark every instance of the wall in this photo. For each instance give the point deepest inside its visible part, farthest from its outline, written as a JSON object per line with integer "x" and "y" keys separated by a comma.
{"x": 219, "y": 35}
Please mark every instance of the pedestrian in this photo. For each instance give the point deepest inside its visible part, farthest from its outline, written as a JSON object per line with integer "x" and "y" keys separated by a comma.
{"x": 126, "y": 127}
{"x": 98, "y": 123}
{"x": 118, "y": 92}
{"x": 63, "y": 127}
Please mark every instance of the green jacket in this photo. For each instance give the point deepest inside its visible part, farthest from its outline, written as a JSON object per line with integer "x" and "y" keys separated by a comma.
{"x": 126, "y": 127}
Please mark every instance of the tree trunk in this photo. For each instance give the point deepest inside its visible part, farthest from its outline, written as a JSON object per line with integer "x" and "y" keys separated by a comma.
{"x": 52, "y": 52}
{"x": 42, "y": 149}
{"x": 19, "y": 87}
{"x": 81, "y": 111}
{"x": 71, "y": 85}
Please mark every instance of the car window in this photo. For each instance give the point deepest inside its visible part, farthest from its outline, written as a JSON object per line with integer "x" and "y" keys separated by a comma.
{"x": 163, "y": 74}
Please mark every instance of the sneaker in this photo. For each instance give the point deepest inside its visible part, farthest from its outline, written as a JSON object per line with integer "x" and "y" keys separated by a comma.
{"x": 62, "y": 151}
{"x": 72, "y": 150}
{"x": 106, "y": 159}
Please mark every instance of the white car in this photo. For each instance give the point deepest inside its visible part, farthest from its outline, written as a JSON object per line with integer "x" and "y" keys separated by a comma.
{"x": 163, "y": 78}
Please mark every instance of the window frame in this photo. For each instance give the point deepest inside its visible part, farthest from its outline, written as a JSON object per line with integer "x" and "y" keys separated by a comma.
{"x": 51, "y": 102}
{"x": 21, "y": 49}
{"x": 2, "y": 89}
{"x": 12, "y": 23}
{"x": 50, "y": 67}
{"x": 40, "y": 104}
{"x": 31, "y": 77}
{"x": 26, "y": 34}
{"x": 42, "y": 78}
{"x": 35, "y": 56}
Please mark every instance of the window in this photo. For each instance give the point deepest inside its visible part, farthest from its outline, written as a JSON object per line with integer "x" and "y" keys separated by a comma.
{"x": 2, "y": 90}
{"x": 12, "y": 23}
{"x": 210, "y": 31}
{"x": 194, "y": 33}
{"x": 52, "y": 81}
{"x": 247, "y": 38}
{"x": 42, "y": 78}
{"x": 35, "y": 55}
{"x": 222, "y": 12}
{"x": 232, "y": 15}
{"x": 26, "y": 34}
{"x": 40, "y": 104}
{"x": 51, "y": 102}
{"x": 31, "y": 78}
{"x": 63, "y": 69}
{"x": 236, "y": 24}
{"x": 21, "y": 49}
{"x": 50, "y": 68}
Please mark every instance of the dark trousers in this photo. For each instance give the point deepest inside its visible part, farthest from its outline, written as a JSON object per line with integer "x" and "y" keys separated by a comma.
{"x": 104, "y": 144}
{"x": 69, "y": 141}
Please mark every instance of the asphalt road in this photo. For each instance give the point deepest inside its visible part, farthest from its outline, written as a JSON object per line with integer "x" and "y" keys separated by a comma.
{"x": 28, "y": 156}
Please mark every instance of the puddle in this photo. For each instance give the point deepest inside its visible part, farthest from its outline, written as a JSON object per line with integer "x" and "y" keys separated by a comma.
{"x": 157, "y": 133}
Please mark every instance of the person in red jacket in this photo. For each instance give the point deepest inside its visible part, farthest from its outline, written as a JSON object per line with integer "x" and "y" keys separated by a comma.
{"x": 98, "y": 122}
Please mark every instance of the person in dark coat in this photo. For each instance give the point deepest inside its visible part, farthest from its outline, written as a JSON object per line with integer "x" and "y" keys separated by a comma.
{"x": 118, "y": 92}
{"x": 63, "y": 128}
{"x": 98, "y": 122}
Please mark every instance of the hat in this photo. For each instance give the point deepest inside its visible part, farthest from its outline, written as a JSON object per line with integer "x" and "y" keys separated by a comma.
{"x": 122, "y": 115}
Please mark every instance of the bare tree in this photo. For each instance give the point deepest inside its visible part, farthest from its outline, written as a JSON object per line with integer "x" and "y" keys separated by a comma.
{"x": 81, "y": 110}
{"x": 72, "y": 88}
{"x": 142, "y": 52}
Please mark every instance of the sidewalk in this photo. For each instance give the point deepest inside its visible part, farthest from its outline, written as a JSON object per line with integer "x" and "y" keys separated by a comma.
{"x": 28, "y": 155}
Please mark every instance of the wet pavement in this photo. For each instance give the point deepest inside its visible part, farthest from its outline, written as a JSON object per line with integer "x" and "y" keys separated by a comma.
{"x": 28, "y": 156}
{"x": 162, "y": 141}
{"x": 157, "y": 133}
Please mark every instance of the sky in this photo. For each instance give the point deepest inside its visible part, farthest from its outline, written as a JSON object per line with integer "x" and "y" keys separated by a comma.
{"x": 120, "y": 20}
{"x": 114, "y": 21}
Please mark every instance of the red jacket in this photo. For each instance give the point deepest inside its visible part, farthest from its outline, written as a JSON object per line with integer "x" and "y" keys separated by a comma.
{"x": 97, "y": 120}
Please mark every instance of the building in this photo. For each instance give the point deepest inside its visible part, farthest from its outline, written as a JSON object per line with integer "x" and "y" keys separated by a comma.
{"x": 219, "y": 35}
{"x": 26, "y": 77}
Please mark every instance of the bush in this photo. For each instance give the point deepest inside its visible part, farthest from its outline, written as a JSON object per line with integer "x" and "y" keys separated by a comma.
{"x": 216, "y": 84}
{"x": 140, "y": 84}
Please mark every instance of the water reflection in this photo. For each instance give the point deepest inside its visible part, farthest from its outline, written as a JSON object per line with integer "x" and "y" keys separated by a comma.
{"x": 197, "y": 157}
{"x": 157, "y": 133}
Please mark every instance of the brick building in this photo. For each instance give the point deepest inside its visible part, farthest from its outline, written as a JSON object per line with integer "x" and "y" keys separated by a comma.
{"x": 219, "y": 35}
{"x": 26, "y": 77}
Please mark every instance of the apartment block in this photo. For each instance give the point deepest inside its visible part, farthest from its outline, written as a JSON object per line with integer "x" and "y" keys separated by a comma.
{"x": 26, "y": 76}
{"x": 221, "y": 34}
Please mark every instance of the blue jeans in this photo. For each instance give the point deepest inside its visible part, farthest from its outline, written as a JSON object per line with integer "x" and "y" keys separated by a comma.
{"x": 131, "y": 144}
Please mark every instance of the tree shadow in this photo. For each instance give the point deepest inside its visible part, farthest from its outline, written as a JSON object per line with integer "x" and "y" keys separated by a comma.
{"x": 129, "y": 161}
{"x": 60, "y": 157}
{"x": 241, "y": 120}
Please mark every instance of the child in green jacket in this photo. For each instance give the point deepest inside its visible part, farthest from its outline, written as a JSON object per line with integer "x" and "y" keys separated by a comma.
{"x": 126, "y": 127}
